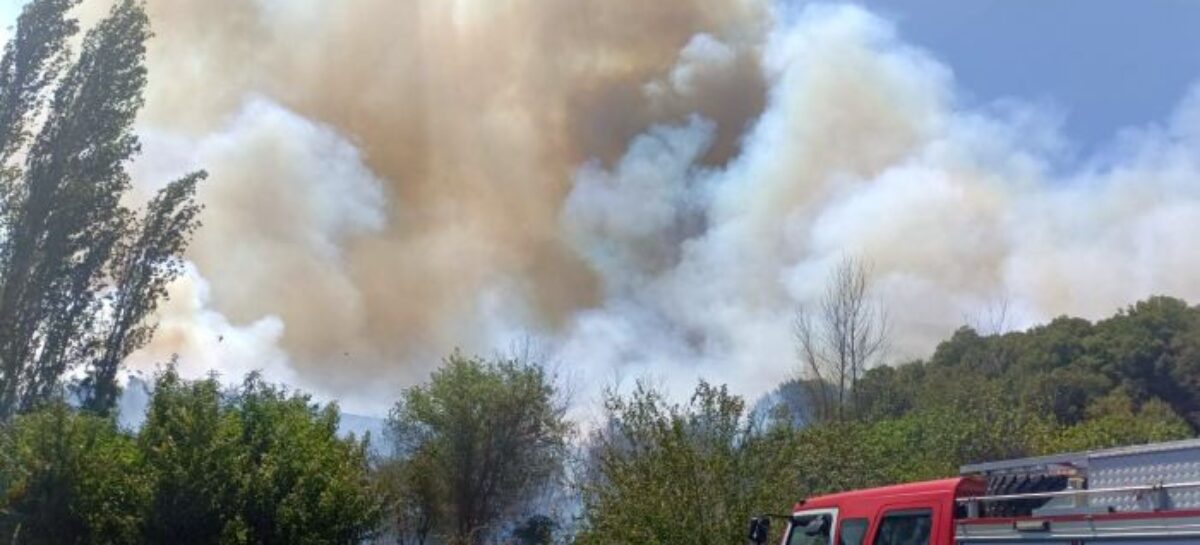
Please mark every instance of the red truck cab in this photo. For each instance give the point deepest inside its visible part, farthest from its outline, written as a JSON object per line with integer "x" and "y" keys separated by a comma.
{"x": 908, "y": 514}
{"x": 1139, "y": 495}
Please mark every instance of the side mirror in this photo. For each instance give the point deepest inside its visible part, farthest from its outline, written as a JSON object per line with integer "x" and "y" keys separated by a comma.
{"x": 760, "y": 527}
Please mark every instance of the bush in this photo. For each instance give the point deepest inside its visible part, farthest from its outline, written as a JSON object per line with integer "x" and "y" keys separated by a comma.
{"x": 70, "y": 478}
{"x": 256, "y": 465}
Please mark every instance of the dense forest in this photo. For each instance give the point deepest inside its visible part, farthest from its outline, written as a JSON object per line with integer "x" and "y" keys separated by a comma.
{"x": 483, "y": 451}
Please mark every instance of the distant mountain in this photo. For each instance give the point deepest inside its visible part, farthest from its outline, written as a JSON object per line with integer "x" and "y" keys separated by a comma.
{"x": 361, "y": 426}
{"x": 136, "y": 398}
{"x": 131, "y": 407}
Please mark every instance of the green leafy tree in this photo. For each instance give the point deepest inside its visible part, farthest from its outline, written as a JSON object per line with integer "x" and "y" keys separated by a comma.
{"x": 70, "y": 478}
{"x": 142, "y": 267}
{"x": 258, "y": 465}
{"x": 662, "y": 473}
{"x": 1114, "y": 421}
{"x": 1152, "y": 350}
{"x": 190, "y": 448}
{"x": 1149, "y": 351}
{"x": 491, "y": 433}
{"x": 888, "y": 392}
{"x": 303, "y": 484}
{"x": 80, "y": 273}
{"x": 33, "y": 59}
{"x": 413, "y": 495}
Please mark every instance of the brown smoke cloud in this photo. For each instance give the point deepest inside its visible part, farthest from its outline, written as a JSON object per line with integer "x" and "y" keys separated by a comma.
{"x": 649, "y": 187}
{"x": 472, "y": 114}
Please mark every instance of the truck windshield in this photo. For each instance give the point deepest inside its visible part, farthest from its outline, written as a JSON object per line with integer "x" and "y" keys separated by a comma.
{"x": 799, "y": 536}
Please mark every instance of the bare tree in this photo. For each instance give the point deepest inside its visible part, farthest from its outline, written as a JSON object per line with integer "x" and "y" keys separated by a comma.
{"x": 993, "y": 320}
{"x": 838, "y": 338}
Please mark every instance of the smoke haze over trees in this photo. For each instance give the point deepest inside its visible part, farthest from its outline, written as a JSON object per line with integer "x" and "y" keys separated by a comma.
{"x": 657, "y": 197}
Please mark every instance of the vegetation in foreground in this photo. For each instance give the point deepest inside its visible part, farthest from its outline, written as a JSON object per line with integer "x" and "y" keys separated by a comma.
{"x": 484, "y": 454}
{"x": 255, "y": 464}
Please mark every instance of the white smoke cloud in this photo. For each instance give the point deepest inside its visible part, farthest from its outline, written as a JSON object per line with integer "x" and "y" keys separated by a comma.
{"x": 703, "y": 57}
{"x": 628, "y": 223}
{"x": 864, "y": 150}
{"x": 205, "y": 341}
{"x": 285, "y": 196}
{"x": 434, "y": 204}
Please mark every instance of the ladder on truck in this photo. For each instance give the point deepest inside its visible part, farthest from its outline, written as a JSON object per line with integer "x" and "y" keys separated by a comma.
{"x": 1148, "y": 494}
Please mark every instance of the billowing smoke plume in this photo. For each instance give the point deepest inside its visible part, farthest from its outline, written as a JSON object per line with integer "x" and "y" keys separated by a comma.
{"x": 640, "y": 187}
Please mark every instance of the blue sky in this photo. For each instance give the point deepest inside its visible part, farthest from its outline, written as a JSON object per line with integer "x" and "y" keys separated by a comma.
{"x": 1105, "y": 64}
{"x": 8, "y": 10}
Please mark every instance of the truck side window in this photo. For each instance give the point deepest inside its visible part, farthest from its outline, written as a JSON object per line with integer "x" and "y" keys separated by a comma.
{"x": 906, "y": 527}
{"x": 852, "y": 532}
{"x": 800, "y": 536}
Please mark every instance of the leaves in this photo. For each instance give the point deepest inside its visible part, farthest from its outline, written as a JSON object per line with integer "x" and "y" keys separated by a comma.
{"x": 665, "y": 473}
{"x": 256, "y": 465}
{"x": 141, "y": 268}
{"x": 71, "y": 478}
{"x": 80, "y": 273}
{"x": 487, "y": 435}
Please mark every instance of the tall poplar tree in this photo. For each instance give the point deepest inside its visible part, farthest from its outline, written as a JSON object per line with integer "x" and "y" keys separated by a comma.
{"x": 80, "y": 272}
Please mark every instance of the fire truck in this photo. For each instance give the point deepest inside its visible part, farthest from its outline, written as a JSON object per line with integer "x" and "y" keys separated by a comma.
{"x": 1142, "y": 495}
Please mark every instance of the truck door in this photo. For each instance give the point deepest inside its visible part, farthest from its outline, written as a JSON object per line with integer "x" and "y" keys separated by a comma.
{"x": 919, "y": 524}
{"x": 852, "y": 531}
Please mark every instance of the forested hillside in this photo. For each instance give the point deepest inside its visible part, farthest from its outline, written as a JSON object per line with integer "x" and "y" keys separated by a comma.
{"x": 664, "y": 473}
